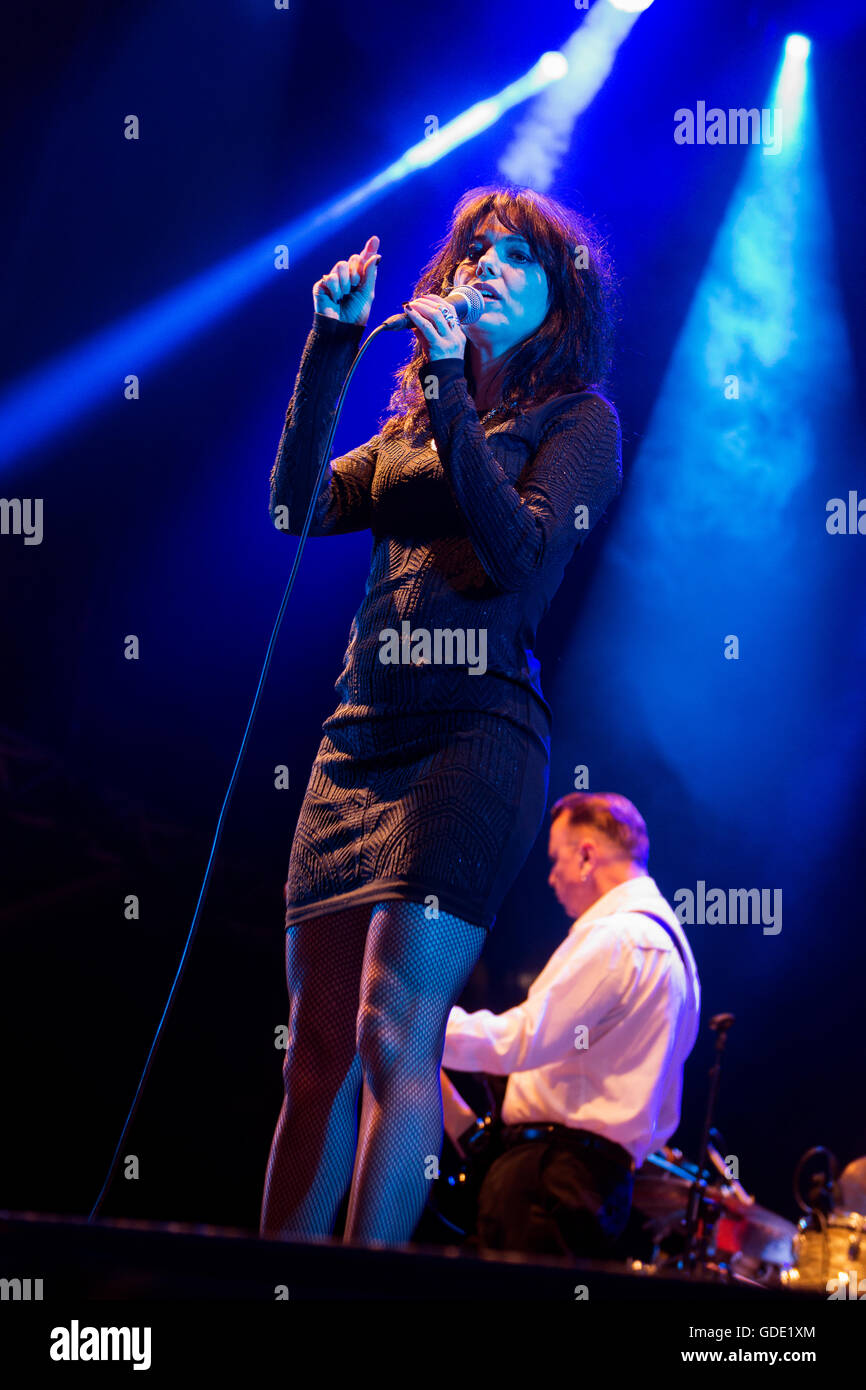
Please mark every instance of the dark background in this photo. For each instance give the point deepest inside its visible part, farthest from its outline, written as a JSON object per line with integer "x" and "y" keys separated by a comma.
{"x": 112, "y": 772}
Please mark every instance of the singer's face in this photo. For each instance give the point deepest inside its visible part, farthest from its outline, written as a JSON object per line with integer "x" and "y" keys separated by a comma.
{"x": 502, "y": 262}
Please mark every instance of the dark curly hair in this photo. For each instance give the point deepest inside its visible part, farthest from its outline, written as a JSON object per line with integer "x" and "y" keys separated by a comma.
{"x": 572, "y": 348}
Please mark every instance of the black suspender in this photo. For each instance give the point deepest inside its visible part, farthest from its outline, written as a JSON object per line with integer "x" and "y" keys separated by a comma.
{"x": 671, "y": 933}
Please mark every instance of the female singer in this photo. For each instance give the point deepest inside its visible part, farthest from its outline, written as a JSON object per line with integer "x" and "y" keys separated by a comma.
{"x": 429, "y": 787}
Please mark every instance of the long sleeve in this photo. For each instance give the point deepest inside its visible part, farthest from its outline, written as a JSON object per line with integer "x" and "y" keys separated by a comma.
{"x": 516, "y": 530}
{"x": 343, "y": 502}
{"x": 590, "y": 989}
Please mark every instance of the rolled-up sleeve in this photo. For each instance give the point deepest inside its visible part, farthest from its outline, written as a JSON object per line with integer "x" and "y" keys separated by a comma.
{"x": 590, "y": 992}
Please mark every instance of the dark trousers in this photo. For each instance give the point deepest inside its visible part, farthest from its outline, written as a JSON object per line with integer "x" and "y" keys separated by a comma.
{"x": 550, "y": 1197}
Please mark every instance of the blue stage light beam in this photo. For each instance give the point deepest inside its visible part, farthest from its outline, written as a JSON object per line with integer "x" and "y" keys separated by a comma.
{"x": 93, "y": 374}
{"x": 721, "y": 531}
{"x": 541, "y": 140}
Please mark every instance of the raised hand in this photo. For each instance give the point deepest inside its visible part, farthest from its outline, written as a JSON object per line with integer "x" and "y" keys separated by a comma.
{"x": 346, "y": 292}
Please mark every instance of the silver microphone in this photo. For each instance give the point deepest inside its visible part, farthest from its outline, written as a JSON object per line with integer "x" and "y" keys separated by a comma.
{"x": 467, "y": 300}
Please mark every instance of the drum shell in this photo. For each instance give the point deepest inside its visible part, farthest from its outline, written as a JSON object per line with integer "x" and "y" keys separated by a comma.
{"x": 833, "y": 1249}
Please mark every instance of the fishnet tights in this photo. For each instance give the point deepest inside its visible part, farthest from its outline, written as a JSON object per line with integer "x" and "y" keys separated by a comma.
{"x": 370, "y": 994}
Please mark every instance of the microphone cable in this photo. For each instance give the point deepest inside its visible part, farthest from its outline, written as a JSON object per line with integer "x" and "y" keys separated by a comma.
{"x": 302, "y": 540}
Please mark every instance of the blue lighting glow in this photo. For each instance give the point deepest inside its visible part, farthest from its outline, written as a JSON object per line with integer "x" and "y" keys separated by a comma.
{"x": 721, "y": 531}
{"x": 93, "y": 374}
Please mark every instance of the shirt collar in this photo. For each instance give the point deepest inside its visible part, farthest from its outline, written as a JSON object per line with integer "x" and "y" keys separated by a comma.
{"x": 631, "y": 893}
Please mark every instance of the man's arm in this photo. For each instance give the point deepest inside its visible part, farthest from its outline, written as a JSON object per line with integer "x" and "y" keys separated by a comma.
{"x": 458, "y": 1115}
{"x": 590, "y": 991}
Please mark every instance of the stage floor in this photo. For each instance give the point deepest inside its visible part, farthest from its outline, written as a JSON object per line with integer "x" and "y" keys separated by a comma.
{"x": 147, "y": 1261}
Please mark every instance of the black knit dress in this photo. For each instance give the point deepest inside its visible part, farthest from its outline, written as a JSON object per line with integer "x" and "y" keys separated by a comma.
{"x": 430, "y": 783}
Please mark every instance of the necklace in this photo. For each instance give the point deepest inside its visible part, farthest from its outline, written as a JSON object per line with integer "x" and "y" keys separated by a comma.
{"x": 488, "y": 414}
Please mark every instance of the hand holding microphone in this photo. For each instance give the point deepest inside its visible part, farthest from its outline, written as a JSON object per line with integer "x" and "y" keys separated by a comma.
{"x": 436, "y": 321}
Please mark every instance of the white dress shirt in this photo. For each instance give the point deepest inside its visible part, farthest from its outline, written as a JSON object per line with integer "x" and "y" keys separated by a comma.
{"x": 600, "y": 1041}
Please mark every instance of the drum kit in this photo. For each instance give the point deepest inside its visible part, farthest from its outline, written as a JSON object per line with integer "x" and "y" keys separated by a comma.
{"x": 743, "y": 1242}
{"x": 697, "y": 1219}
{"x": 738, "y": 1239}
{"x": 713, "y": 1228}
{"x": 830, "y": 1244}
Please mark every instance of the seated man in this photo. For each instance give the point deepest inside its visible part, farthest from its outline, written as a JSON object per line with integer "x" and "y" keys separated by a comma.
{"x": 594, "y": 1055}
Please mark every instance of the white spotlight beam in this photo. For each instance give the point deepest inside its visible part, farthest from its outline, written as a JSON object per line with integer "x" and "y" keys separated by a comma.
{"x": 549, "y": 69}
{"x": 542, "y": 139}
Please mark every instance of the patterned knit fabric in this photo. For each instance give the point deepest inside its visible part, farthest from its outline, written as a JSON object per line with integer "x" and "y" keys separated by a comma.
{"x": 432, "y": 775}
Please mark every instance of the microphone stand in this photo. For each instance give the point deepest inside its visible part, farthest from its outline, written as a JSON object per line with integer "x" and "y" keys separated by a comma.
{"x": 698, "y": 1210}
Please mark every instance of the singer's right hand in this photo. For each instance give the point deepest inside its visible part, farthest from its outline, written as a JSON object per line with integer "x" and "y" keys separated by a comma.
{"x": 346, "y": 292}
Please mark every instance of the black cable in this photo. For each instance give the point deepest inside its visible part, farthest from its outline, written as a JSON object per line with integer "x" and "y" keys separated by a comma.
{"x": 308, "y": 521}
